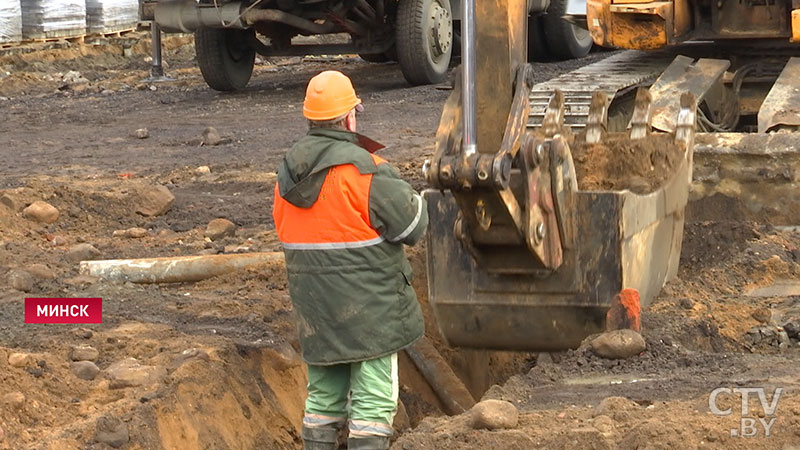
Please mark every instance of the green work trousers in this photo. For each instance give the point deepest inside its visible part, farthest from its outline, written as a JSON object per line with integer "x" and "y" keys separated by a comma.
{"x": 364, "y": 391}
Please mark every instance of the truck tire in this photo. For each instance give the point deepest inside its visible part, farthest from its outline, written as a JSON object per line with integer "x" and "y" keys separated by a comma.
{"x": 424, "y": 40}
{"x": 564, "y": 40}
{"x": 537, "y": 44}
{"x": 225, "y": 58}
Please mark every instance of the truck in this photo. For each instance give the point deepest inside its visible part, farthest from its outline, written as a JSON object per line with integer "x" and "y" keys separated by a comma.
{"x": 419, "y": 34}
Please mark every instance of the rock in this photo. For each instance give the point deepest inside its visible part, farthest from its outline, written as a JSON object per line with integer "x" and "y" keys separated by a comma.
{"x": 133, "y": 233}
{"x": 154, "y": 200}
{"x": 792, "y": 328}
{"x": 211, "y": 136}
{"x": 141, "y": 133}
{"x": 15, "y": 400}
{"x": 83, "y": 353}
{"x": 20, "y": 280}
{"x": 41, "y": 212}
{"x": 687, "y": 303}
{"x": 19, "y": 359}
{"x": 763, "y": 315}
{"x": 237, "y": 249}
{"x": 111, "y": 431}
{"x": 202, "y": 170}
{"x": 74, "y": 77}
{"x": 56, "y": 240}
{"x": 618, "y": 344}
{"x": 783, "y": 340}
{"x": 188, "y": 354}
{"x": 84, "y": 333}
{"x": 494, "y": 415}
{"x": 220, "y": 228}
{"x": 767, "y": 335}
{"x": 11, "y": 202}
{"x": 82, "y": 252}
{"x": 129, "y": 373}
{"x": 85, "y": 370}
{"x": 613, "y": 406}
{"x": 41, "y": 272}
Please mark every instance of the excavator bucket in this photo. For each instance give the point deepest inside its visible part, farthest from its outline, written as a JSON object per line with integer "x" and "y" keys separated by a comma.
{"x": 531, "y": 257}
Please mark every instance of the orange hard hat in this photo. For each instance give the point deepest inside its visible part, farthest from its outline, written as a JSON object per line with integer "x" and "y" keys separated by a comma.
{"x": 329, "y": 95}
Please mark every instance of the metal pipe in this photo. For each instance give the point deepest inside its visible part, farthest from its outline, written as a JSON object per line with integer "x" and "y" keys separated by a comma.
{"x": 179, "y": 269}
{"x": 468, "y": 77}
{"x": 450, "y": 390}
{"x": 157, "y": 70}
{"x": 276, "y": 15}
{"x": 187, "y": 16}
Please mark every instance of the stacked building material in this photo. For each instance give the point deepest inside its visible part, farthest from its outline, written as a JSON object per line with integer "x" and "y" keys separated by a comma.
{"x": 109, "y": 16}
{"x": 46, "y": 19}
{"x": 10, "y": 21}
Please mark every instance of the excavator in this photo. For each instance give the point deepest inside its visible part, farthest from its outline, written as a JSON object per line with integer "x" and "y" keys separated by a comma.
{"x": 521, "y": 255}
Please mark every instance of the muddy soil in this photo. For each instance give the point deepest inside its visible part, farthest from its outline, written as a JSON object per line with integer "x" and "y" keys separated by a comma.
{"x": 641, "y": 166}
{"x": 220, "y": 356}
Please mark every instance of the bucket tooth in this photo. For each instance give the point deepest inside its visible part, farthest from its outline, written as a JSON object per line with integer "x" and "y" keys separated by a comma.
{"x": 554, "y": 115}
{"x": 642, "y": 114}
{"x": 597, "y": 122}
{"x": 781, "y": 108}
{"x": 687, "y": 117}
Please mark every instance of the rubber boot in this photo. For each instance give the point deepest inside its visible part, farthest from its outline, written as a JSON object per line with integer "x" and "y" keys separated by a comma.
{"x": 319, "y": 438}
{"x": 368, "y": 443}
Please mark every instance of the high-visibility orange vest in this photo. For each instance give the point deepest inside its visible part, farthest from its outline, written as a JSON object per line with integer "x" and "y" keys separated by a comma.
{"x": 338, "y": 219}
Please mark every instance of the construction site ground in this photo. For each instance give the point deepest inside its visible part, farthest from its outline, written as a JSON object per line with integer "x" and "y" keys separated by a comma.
{"x": 217, "y": 363}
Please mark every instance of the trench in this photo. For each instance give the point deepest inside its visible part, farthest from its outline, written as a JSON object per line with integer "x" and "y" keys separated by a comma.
{"x": 251, "y": 395}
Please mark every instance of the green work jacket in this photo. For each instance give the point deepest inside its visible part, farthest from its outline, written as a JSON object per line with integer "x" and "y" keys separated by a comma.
{"x": 353, "y": 301}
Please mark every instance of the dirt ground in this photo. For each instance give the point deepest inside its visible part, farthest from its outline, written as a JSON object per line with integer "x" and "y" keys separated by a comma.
{"x": 220, "y": 357}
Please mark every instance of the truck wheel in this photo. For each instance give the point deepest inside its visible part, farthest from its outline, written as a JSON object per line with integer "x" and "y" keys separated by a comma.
{"x": 537, "y": 45}
{"x": 424, "y": 40}
{"x": 564, "y": 40}
{"x": 225, "y": 58}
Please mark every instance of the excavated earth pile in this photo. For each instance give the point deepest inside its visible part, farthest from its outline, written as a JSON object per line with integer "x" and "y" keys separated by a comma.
{"x": 641, "y": 166}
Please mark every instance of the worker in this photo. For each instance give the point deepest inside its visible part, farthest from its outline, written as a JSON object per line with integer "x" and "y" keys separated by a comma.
{"x": 342, "y": 215}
